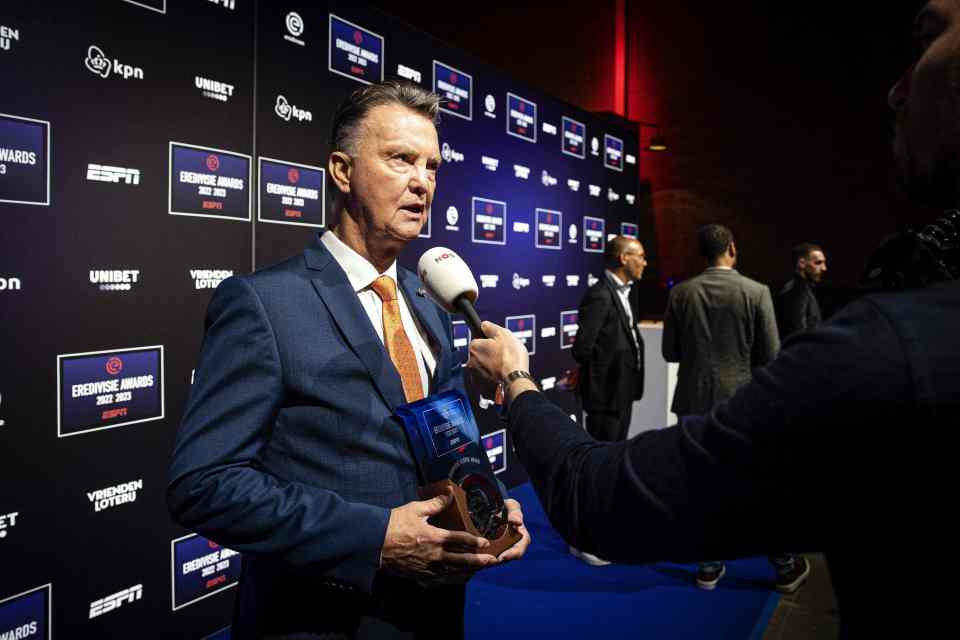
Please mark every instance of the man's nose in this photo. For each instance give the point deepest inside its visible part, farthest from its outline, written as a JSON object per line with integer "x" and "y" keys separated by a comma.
{"x": 897, "y": 98}
{"x": 419, "y": 180}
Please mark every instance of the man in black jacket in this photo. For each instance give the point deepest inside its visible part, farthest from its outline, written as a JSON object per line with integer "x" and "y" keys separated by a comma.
{"x": 796, "y": 307}
{"x": 608, "y": 347}
{"x": 847, "y": 420}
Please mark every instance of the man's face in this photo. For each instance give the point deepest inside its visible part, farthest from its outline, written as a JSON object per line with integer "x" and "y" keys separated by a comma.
{"x": 813, "y": 266}
{"x": 634, "y": 260}
{"x": 394, "y": 173}
{"x": 927, "y": 103}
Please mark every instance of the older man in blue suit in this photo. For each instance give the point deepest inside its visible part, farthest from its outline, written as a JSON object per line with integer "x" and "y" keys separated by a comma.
{"x": 289, "y": 450}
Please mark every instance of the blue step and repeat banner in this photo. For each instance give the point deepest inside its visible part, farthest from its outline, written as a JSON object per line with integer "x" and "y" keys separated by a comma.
{"x": 151, "y": 149}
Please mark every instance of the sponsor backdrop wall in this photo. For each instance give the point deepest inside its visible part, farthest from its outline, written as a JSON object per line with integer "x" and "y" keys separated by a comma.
{"x": 150, "y": 149}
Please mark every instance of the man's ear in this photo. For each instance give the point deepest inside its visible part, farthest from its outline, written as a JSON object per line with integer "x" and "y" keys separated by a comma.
{"x": 732, "y": 250}
{"x": 340, "y": 168}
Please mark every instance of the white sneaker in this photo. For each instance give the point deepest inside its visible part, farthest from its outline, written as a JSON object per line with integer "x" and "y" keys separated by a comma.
{"x": 589, "y": 558}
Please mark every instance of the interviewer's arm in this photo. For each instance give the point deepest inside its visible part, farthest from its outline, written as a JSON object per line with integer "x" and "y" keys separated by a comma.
{"x": 730, "y": 483}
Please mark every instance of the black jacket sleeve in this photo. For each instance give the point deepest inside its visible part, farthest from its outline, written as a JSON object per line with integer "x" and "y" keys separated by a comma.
{"x": 727, "y": 484}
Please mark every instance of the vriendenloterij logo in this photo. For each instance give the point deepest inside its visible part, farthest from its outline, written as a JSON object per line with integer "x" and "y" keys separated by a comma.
{"x": 98, "y": 62}
{"x": 7, "y": 37}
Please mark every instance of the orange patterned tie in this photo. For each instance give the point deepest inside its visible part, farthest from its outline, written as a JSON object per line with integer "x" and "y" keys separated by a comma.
{"x": 396, "y": 341}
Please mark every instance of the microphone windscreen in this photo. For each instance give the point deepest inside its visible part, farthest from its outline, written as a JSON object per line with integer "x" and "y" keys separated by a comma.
{"x": 446, "y": 277}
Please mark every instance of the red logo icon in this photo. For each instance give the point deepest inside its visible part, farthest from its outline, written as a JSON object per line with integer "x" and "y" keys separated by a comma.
{"x": 453, "y": 77}
{"x": 523, "y": 107}
{"x": 521, "y": 324}
{"x": 114, "y": 365}
{"x": 213, "y": 162}
{"x": 293, "y": 175}
{"x": 357, "y": 37}
{"x": 488, "y": 208}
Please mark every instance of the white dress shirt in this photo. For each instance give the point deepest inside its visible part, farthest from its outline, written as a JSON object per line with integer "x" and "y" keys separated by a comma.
{"x": 623, "y": 292}
{"x": 361, "y": 275}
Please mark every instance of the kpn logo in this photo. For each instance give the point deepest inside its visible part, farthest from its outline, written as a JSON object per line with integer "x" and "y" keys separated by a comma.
{"x": 98, "y": 63}
{"x": 287, "y": 111}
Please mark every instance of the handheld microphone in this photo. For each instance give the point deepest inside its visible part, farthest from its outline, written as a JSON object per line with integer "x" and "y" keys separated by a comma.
{"x": 449, "y": 282}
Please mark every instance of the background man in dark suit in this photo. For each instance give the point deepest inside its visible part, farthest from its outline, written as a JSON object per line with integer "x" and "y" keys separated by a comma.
{"x": 609, "y": 349}
{"x": 289, "y": 450}
{"x": 608, "y": 346}
{"x": 796, "y": 305}
{"x": 720, "y": 326}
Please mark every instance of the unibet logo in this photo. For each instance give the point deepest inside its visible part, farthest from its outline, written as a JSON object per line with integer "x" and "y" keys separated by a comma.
{"x": 490, "y": 164}
{"x": 521, "y": 171}
{"x": 9, "y": 284}
{"x": 488, "y": 281}
{"x": 573, "y": 281}
{"x": 107, "y": 173}
{"x": 115, "y": 601}
{"x": 98, "y": 63}
{"x": 287, "y": 111}
{"x": 114, "y": 279}
{"x": 7, "y": 522}
{"x": 213, "y": 89}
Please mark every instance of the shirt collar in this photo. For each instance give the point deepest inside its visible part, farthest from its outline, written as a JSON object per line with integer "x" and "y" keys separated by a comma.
{"x": 360, "y": 272}
{"x": 618, "y": 284}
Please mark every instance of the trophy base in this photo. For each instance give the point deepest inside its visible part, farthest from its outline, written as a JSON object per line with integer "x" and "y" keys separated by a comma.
{"x": 456, "y": 517}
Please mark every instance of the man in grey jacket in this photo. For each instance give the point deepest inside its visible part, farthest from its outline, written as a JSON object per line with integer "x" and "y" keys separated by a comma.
{"x": 720, "y": 326}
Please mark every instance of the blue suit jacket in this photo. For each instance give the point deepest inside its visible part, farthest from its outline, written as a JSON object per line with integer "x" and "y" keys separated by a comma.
{"x": 289, "y": 450}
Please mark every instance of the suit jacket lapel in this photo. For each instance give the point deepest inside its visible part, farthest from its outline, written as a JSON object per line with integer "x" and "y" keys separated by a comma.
{"x": 341, "y": 301}
{"x": 624, "y": 320}
{"x": 426, "y": 313}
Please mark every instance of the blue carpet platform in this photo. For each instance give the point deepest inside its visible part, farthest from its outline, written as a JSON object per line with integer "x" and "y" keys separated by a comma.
{"x": 551, "y": 594}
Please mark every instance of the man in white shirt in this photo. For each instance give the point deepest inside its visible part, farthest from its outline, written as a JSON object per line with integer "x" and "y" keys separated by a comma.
{"x": 289, "y": 450}
{"x": 608, "y": 346}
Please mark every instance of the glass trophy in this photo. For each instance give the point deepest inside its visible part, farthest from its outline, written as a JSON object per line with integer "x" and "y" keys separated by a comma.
{"x": 446, "y": 445}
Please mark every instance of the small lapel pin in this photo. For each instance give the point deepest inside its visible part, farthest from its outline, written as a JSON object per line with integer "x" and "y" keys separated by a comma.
{"x": 421, "y": 292}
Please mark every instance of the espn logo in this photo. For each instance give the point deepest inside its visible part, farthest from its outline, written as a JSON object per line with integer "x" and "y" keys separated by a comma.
{"x": 108, "y": 604}
{"x": 105, "y": 173}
